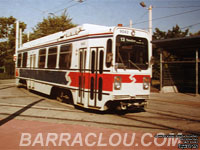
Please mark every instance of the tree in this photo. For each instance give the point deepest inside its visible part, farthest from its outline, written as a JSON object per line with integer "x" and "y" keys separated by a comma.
{"x": 7, "y": 42}
{"x": 159, "y": 35}
{"x": 52, "y": 24}
{"x": 195, "y": 34}
{"x": 175, "y": 32}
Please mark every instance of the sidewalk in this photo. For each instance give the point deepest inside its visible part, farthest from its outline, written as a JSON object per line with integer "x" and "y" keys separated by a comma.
{"x": 7, "y": 81}
{"x": 177, "y": 98}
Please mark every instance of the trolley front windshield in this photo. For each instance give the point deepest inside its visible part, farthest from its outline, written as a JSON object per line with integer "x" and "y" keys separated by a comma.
{"x": 131, "y": 52}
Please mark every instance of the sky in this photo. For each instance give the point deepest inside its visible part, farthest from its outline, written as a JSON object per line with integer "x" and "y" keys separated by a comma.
{"x": 165, "y": 13}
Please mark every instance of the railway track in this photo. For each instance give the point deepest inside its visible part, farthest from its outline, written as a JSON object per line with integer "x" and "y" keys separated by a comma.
{"x": 172, "y": 114}
{"x": 69, "y": 109}
{"x": 165, "y": 116}
{"x": 6, "y": 87}
{"x": 19, "y": 114}
{"x": 77, "y": 116}
{"x": 128, "y": 116}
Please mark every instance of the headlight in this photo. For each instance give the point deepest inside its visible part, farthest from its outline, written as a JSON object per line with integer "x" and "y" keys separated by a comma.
{"x": 117, "y": 82}
{"x": 146, "y": 82}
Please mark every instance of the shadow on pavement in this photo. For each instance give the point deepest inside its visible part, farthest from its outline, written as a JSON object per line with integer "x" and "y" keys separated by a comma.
{"x": 112, "y": 111}
{"x": 12, "y": 116}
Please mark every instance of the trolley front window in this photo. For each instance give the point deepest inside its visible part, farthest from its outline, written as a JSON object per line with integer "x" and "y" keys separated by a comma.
{"x": 131, "y": 52}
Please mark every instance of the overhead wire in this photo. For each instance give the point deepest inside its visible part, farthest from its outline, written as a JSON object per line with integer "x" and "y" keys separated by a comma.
{"x": 168, "y": 16}
{"x": 190, "y": 26}
{"x": 79, "y": 2}
{"x": 176, "y": 6}
{"x": 141, "y": 16}
{"x": 58, "y": 6}
{"x": 46, "y": 11}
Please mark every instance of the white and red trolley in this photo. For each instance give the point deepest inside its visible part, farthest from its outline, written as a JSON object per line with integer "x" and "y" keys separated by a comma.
{"x": 97, "y": 66}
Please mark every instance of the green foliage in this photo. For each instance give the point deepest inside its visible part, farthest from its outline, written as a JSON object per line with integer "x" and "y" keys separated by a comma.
{"x": 174, "y": 33}
{"x": 7, "y": 42}
{"x": 7, "y": 30}
{"x": 6, "y": 25}
{"x": 195, "y": 34}
{"x": 52, "y": 24}
{"x": 159, "y": 35}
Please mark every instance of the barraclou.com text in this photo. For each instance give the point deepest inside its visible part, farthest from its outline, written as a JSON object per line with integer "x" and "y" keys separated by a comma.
{"x": 95, "y": 139}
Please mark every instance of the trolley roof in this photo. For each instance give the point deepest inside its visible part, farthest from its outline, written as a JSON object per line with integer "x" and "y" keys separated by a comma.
{"x": 85, "y": 29}
{"x": 67, "y": 34}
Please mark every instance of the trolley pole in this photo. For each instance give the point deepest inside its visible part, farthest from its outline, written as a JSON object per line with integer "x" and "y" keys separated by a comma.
{"x": 130, "y": 23}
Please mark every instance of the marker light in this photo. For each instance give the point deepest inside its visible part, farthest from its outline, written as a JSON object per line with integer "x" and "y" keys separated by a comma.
{"x": 117, "y": 82}
{"x": 146, "y": 81}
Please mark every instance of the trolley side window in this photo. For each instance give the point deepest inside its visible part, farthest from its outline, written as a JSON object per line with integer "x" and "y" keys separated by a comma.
{"x": 65, "y": 56}
{"x": 52, "y": 55}
{"x": 24, "y": 62}
{"x": 19, "y": 60}
{"x": 42, "y": 57}
{"x": 109, "y": 54}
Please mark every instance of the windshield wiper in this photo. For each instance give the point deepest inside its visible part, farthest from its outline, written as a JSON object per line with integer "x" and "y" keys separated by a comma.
{"x": 120, "y": 57}
{"x": 135, "y": 65}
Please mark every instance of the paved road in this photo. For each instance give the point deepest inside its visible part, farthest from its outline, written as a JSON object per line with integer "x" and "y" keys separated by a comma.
{"x": 166, "y": 113}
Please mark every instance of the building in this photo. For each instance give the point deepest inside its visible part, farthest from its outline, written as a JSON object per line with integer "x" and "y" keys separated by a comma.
{"x": 179, "y": 64}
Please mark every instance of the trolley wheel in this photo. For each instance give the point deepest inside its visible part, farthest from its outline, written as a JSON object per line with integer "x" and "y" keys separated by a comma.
{"x": 122, "y": 106}
{"x": 60, "y": 96}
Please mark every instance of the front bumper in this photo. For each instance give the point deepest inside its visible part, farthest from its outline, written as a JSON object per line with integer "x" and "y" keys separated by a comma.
{"x": 128, "y": 97}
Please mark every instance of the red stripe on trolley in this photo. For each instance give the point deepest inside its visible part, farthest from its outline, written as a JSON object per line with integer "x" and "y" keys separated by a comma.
{"x": 108, "y": 79}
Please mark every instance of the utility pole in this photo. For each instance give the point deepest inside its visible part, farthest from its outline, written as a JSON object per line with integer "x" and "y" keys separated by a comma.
{"x": 150, "y": 25}
{"x": 150, "y": 20}
{"x": 150, "y": 17}
{"x": 28, "y": 36}
{"x": 17, "y": 37}
{"x": 20, "y": 37}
